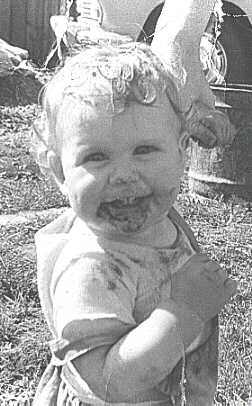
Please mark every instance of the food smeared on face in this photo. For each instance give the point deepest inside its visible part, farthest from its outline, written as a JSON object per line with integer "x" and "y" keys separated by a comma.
{"x": 128, "y": 214}
{"x": 122, "y": 173}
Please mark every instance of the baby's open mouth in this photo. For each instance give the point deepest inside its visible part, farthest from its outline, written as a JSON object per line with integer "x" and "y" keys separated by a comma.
{"x": 127, "y": 213}
{"x": 129, "y": 201}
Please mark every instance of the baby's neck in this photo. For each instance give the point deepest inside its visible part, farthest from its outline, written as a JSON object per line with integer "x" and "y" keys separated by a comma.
{"x": 161, "y": 234}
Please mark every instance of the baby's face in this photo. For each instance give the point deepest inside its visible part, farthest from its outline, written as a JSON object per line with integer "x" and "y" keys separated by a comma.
{"x": 122, "y": 173}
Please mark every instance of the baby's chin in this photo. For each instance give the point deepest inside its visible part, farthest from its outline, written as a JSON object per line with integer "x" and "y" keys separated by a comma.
{"x": 119, "y": 219}
{"x": 127, "y": 225}
{"x": 125, "y": 216}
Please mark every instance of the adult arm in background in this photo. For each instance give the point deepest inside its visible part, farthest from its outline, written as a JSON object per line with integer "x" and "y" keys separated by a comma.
{"x": 176, "y": 39}
{"x": 177, "y": 43}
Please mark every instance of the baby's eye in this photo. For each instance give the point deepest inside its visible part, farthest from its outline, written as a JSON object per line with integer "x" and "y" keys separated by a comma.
{"x": 145, "y": 149}
{"x": 95, "y": 157}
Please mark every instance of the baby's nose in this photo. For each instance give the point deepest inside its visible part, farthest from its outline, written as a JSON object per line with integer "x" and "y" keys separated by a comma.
{"x": 122, "y": 174}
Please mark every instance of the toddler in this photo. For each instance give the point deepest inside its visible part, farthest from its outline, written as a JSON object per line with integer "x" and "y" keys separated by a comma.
{"x": 130, "y": 301}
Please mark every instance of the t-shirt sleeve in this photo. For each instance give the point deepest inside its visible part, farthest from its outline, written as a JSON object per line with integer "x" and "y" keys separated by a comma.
{"x": 93, "y": 302}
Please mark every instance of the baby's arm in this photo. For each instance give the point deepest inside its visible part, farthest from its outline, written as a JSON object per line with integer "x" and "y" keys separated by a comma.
{"x": 199, "y": 291}
{"x": 141, "y": 358}
{"x": 137, "y": 357}
{"x": 119, "y": 359}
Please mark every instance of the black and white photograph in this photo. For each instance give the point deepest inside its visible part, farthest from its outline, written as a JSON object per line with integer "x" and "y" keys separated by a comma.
{"x": 125, "y": 203}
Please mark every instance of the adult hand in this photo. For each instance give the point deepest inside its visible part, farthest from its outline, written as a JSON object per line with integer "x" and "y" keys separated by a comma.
{"x": 209, "y": 127}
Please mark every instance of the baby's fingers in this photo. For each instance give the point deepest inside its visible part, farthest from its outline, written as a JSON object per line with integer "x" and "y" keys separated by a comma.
{"x": 220, "y": 278}
{"x": 230, "y": 287}
{"x": 214, "y": 273}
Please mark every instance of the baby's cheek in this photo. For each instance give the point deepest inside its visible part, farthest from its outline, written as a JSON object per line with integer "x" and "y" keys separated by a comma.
{"x": 170, "y": 197}
{"x": 169, "y": 165}
{"x": 85, "y": 193}
{"x": 166, "y": 194}
{"x": 167, "y": 177}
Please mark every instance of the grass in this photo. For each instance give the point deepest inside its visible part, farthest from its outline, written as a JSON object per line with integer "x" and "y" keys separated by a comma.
{"x": 22, "y": 187}
{"x": 23, "y": 333}
{"x": 223, "y": 230}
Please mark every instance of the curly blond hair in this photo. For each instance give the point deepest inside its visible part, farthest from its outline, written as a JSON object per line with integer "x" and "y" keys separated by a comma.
{"x": 106, "y": 77}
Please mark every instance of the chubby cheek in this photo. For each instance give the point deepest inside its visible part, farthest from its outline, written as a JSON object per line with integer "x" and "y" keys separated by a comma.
{"x": 84, "y": 192}
{"x": 165, "y": 177}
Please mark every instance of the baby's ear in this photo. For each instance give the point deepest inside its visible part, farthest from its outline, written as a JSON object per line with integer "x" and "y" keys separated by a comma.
{"x": 54, "y": 163}
{"x": 183, "y": 139}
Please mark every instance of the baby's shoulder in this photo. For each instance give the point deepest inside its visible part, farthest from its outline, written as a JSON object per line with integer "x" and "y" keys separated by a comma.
{"x": 182, "y": 225}
{"x": 93, "y": 270}
{"x": 88, "y": 257}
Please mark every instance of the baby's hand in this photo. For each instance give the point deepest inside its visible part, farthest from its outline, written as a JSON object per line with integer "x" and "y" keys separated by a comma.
{"x": 203, "y": 286}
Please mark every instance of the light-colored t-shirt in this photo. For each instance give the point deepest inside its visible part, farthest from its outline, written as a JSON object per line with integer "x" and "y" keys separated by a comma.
{"x": 99, "y": 279}
{"x": 85, "y": 281}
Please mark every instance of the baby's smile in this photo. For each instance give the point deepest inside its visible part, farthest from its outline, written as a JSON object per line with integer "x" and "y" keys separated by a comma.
{"x": 127, "y": 214}
{"x": 121, "y": 172}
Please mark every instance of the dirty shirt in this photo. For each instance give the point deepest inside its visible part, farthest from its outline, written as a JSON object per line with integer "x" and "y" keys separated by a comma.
{"x": 82, "y": 277}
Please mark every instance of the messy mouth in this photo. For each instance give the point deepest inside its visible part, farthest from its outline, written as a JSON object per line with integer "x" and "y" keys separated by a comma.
{"x": 127, "y": 214}
{"x": 127, "y": 201}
